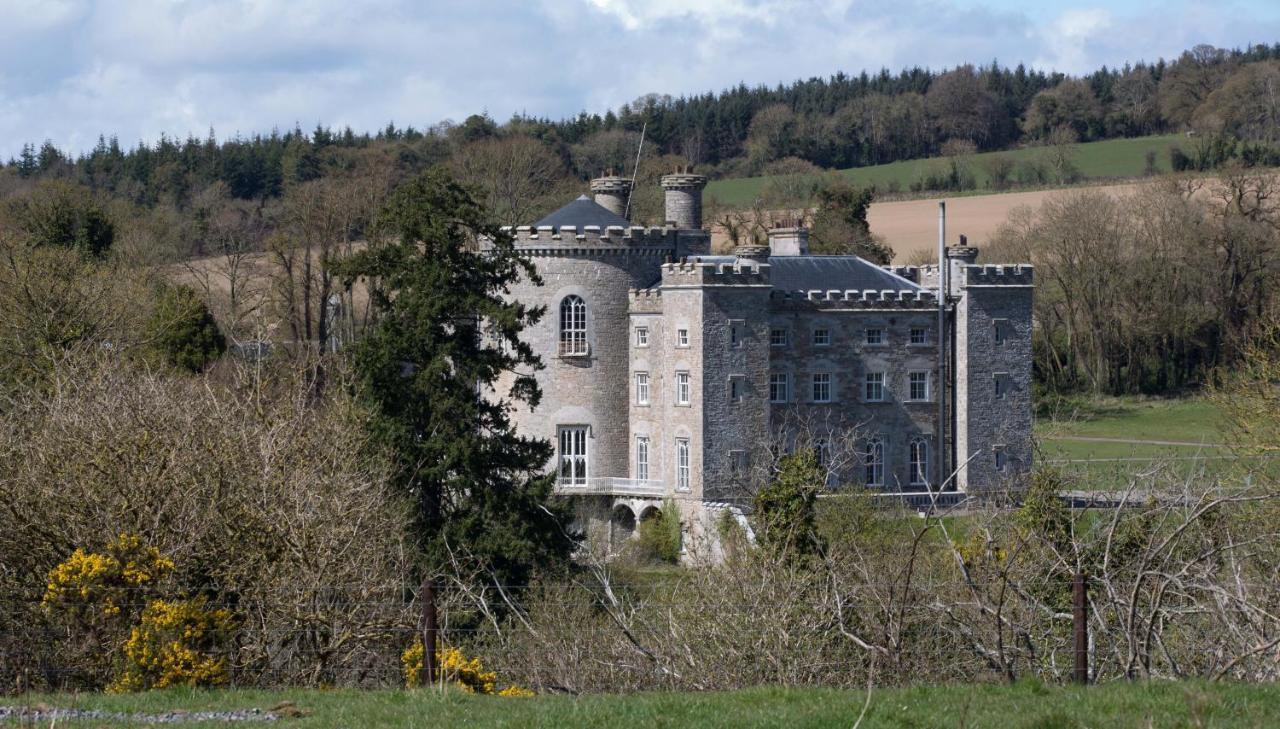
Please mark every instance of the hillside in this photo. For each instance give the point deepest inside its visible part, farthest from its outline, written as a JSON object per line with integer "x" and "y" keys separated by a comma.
{"x": 1109, "y": 159}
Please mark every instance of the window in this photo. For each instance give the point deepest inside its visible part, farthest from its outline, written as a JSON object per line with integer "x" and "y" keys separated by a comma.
{"x": 1001, "y": 384}
{"x": 1002, "y": 458}
{"x": 918, "y": 461}
{"x": 737, "y": 387}
{"x": 642, "y": 336}
{"x": 737, "y": 462}
{"x": 573, "y": 326}
{"x": 573, "y": 455}
{"x": 778, "y": 337}
{"x": 682, "y": 388}
{"x": 642, "y": 458}
{"x": 822, "y": 452}
{"x": 874, "y": 387}
{"x": 822, "y": 387}
{"x": 642, "y": 388}
{"x": 821, "y": 337}
{"x": 874, "y": 335}
{"x": 1000, "y": 330}
{"x": 682, "y": 464}
{"x": 919, "y": 335}
{"x": 873, "y": 462}
{"x": 779, "y": 387}
{"x": 736, "y": 331}
{"x": 682, "y": 337}
{"x": 917, "y": 385}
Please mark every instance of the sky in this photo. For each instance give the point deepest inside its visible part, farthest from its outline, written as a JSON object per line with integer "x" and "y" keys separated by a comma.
{"x": 71, "y": 70}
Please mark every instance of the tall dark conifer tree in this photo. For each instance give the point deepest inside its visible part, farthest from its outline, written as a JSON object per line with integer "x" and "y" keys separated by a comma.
{"x": 444, "y": 337}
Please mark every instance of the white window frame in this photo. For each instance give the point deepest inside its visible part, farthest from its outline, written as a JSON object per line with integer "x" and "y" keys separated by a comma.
{"x": 684, "y": 388}
{"x": 682, "y": 464}
{"x": 873, "y": 461}
{"x": 779, "y": 382}
{"x": 642, "y": 388}
{"x": 574, "y": 454}
{"x": 918, "y": 461}
{"x": 737, "y": 388}
{"x": 876, "y": 380}
{"x": 924, "y": 337}
{"x": 825, "y": 339}
{"x": 573, "y": 326}
{"x": 682, "y": 338}
{"x": 913, "y": 379}
{"x": 999, "y": 331}
{"x": 1000, "y": 384}
{"x": 880, "y": 337}
{"x": 825, "y": 381}
{"x": 642, "y": 336}
{"x": 737, "y": 327}
{"x": 779, "y": 337}
{"x": 642, "y": 458}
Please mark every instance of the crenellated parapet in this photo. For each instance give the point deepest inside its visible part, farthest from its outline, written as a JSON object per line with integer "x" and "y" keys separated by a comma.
{"x": 645, "y": 301}
{"x": 992, "y": 274}
{"x": 910, "y": 273}
{"x": 741, "y": 272}
{"x": 856, "y": 299}
{"x": 549, "y": 240}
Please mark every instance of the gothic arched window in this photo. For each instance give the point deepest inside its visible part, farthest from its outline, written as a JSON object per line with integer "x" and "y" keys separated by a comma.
{"x": 919, "y": 461}
{"x": 573, "y": 325}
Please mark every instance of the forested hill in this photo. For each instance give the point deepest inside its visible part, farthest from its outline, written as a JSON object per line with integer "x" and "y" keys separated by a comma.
{"x": 527, "y": 164}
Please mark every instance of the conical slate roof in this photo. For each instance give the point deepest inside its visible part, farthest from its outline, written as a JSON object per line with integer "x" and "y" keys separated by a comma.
{"x": 583, "y": 211}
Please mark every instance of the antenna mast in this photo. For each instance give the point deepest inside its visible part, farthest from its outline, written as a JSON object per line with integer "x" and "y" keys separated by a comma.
{"x": 635, "y": 169}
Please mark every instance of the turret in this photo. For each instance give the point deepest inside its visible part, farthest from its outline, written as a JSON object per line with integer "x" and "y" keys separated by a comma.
{"x": 683, "y": 199}
{"x": 612, "y": 192}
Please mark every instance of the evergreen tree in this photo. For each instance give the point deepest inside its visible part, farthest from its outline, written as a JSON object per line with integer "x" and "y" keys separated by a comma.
{"x": 430, "y": 367}
{"x": 182, "y": 331}
{"x": 785, "y": 514}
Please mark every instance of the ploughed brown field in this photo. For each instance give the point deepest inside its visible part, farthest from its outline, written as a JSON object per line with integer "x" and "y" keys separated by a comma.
{"x": 910, "y": 227}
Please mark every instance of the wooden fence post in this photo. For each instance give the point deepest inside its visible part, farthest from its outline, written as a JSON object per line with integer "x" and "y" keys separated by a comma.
{"x": 1080, "y": 621}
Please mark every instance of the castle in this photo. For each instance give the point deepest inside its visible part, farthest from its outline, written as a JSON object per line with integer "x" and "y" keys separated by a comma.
{"x": 674, "y": 374}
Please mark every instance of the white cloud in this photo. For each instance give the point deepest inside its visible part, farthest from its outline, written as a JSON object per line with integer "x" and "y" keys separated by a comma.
{"x": 72, "y": 69}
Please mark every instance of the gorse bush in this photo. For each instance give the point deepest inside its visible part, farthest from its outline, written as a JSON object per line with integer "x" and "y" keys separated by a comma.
{"x": 176, "y": 643}
{"x": 468, "y": 674}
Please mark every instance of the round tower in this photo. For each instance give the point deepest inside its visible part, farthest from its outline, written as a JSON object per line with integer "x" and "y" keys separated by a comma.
{"x": 611, "y": 192}
{"x": 683, "y": 199}
{"x": 587, "y": 271}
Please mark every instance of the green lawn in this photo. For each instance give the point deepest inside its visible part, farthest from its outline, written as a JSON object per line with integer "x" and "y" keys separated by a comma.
{"x": 1186, "y": 420}
{"x": 1027, "y": 705}
{"x": 1110, "y": 159}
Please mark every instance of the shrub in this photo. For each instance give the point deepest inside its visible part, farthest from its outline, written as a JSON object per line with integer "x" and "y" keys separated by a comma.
{"x": 182, "y": 332}
{"x": 176, "y": 643}
{"x": 660, "y": 533}
{"x": 784, "y": 509}
{"x": 467, "y": 674}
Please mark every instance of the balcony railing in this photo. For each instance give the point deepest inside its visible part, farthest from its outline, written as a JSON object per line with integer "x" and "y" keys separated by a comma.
{"x": 609, "y": 486}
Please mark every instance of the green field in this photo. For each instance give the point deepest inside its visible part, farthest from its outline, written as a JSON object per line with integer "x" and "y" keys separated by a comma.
{"x": 1110, "y": 159}
{"x": 1027, "y": 705}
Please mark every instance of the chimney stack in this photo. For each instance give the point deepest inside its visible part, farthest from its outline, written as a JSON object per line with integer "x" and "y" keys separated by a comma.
{"x": 683, "y": 199}
{"x": 611, "y": 193}
{"x": 792, "y": 240}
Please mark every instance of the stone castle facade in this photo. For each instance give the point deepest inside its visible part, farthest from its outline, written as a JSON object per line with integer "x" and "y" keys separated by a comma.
{"x": 677, "y": 376}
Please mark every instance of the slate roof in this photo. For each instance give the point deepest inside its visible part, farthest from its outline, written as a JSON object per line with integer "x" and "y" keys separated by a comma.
{"x": 825, "y": 273}
{"x": 583, "y": 211}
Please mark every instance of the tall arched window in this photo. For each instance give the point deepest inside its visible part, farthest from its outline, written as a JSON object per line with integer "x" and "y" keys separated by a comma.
{"x": 873, "y": 461}
{"x": 919, "y": 461}
{"x": 573, "y": 325}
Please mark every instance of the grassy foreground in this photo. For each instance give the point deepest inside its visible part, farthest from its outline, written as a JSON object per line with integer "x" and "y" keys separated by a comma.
{"x": 1109, "y": 159}
{"x": 1030, "y": 705}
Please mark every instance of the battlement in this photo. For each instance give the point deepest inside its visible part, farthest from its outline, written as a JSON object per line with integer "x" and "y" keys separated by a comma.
{"x": 568, "y": 237}
{"x": 742, "y": 272}
{"x": 994, "y": 274}
{"x": 910, "y": 273}
{"x": 861, "y": 298}
{"x": 645, "y": 301}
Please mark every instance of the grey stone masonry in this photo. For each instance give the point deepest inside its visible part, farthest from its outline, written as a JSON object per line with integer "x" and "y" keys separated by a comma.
{"x": 612, "y": 193}
{"x": 683, "y": 199}
{"x": 687, "y": 372}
